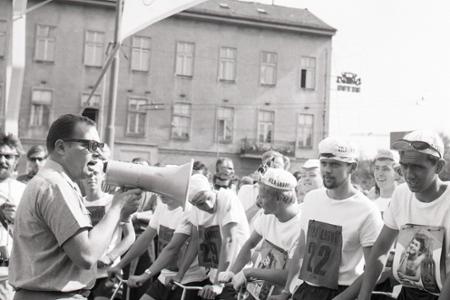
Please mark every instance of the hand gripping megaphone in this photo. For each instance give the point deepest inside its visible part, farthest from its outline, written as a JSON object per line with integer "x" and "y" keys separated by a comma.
{"x": 172, "y": 181}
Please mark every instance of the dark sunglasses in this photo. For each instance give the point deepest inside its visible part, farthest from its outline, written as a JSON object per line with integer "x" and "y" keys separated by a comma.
{"x": 91, "y": 145}
{"x": 35, "y": 159}
{"x": 421, "y": 145}
{"x": 8, "y": 156}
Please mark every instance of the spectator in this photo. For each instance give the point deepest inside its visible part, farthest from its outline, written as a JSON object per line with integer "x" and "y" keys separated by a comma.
{"x": 36, "y": 157}
{"x": 11, "y": 192}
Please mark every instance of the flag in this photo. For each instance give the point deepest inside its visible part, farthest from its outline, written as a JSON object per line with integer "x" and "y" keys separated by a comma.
{"x": 15, "y": 69}
{"x": 139, "y": 14}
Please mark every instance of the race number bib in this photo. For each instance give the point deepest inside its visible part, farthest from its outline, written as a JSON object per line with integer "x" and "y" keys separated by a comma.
{"x": 96, "y": 213}
{"x": 418, "y": 261}
{"x": 164, "y": 236}
{"x": 270, "y": 257}
{"x": 210, "y": 242}
{"x": 322, "y": 254}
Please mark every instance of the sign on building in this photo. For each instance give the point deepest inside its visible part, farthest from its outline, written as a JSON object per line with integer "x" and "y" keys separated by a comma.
{"x": 348, "y": 82}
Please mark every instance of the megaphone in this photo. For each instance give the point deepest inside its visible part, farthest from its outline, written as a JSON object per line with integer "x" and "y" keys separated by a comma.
{"x": 171, "y": 181}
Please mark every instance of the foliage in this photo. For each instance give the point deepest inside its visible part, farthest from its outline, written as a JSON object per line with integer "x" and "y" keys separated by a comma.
{"x": 363, "y": 176}
{"x": 445, "y": 174}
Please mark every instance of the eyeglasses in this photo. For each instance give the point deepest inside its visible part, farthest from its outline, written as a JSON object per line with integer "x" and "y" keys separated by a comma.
{"x": 421, "y": 145}
{"x": 91, "y": 145}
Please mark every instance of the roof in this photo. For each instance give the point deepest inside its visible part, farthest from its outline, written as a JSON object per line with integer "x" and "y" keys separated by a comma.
{"x": 251, "y": 13}
{"x": 275, "y": 14}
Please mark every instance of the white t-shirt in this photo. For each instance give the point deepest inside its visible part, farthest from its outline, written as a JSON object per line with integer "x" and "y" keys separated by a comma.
{"x": 168, "y": 222}
{"x": 382, "y": 203}
{"x": 405, "y": 208}
{"x": 228, "y": 210}
{"x": 281, "y": 234}
{"x": 97, "y": 210}
{"x": 360, "y": 221}
{"x": 10, "y": 190}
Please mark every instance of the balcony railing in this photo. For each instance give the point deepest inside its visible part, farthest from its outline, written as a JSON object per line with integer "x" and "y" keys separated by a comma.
{"x": 252, "y": 147}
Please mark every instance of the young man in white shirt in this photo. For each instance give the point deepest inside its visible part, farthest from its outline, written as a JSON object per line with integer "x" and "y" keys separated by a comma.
{"x": 98, "y": 203}
{"x": 219, "y": 220}
{"x": 170, "y": 224}
{"x": 338, "y": 227}
{"x": 278, "y": 229}
{"x": 418, "y": 217}
{"x": 385, "y": 174}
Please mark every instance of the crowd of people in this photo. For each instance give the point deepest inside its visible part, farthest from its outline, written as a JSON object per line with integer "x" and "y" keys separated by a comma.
{"x": 277, "y": 233}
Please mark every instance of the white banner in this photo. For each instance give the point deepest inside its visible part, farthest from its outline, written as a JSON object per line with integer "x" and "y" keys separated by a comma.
{"x": 139, "y": 14}
{"x": 15, "y": 68}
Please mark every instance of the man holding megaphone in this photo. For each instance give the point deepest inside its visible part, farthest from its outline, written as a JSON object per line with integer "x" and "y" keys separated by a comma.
{"x": 55, "y": 247}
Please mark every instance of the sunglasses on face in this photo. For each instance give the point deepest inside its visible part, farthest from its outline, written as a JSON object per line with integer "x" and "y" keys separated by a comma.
{"x": 35, "y": 159}
{"x": 421, "y": 145}
{"x": 91, "y": 145}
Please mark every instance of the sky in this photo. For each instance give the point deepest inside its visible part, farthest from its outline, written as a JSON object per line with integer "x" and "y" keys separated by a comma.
{"x": 401, "y": 51}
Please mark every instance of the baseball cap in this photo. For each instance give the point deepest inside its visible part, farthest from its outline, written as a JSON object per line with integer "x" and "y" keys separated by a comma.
{"x": 387, "y": 154}
{"x": 279, "y": 179}
{"x": 338, "y": 148}
{"x": 423, "y": 141}
{"x": 311, "y": 163}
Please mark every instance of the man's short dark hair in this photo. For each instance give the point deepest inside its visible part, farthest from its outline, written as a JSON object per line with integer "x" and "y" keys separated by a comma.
{"x": 12, "y": 141}
{"x": 63, "y": 128}
{"x": 36, "y": 149}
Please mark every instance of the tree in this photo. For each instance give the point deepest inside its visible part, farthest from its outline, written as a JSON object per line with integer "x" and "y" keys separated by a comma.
{"x": 445, "y": 174}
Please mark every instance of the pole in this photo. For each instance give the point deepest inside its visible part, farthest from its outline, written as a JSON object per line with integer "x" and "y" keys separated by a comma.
{"x": 111, "y": 117}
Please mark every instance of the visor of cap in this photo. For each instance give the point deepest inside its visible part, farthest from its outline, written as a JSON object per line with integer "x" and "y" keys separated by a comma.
{"x": 338, "y": 149}
{"x": 387, "y": 154}
{"x": 311, "y": 163}
{"x": 338, "y": 158}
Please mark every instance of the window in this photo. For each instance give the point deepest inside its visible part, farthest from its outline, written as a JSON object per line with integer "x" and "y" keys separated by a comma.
{"x": 93, "y": 102}
{"x": 305, "y": 131}
{"x": 45, "y": 43}
{"x": 184, "y": 65}
{"x": 94, "y": 48}
{"x": 41, "y": 101}
{"x": 265, "y": 126}
{"x": 3, "y": 44}
{"x": 308, "y": 73}
{"x": 137, "y": 116}
{"x": 268, "y": 72}
{"x": 225, "y": 121}
{"x": 140, "y": 53}
{"x": 181, "y": 121}
{"x": 227, "y": 64}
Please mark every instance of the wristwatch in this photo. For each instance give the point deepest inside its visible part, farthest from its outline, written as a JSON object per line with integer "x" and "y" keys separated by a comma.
{"x": 148, "y": 272}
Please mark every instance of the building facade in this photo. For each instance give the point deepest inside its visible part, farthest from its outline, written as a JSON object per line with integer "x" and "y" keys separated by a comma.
{"x": 225, "y": 78}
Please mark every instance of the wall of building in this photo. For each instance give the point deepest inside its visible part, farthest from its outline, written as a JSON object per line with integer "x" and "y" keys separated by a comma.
{"x": 68, "y": 77}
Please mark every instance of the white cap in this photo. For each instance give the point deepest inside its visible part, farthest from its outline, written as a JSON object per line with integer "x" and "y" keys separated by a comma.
{"x": 387, "y": 154}
{"x": 311, "y": 163}
{"x": 337, "y": 148}
{"x": 279, "y": 179}
{"x": 198, "y": 183}
{"x": 435, "y": 145}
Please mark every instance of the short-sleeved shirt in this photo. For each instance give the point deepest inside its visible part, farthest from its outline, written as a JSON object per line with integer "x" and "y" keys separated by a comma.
{"x": 50, "y": 213}
{"x": 228, "y": 210}
{"x": 360, "y": 221}
{"x": 405, "y": 208}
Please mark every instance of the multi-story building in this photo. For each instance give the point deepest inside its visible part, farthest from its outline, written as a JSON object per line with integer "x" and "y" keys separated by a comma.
{"x": 225, "y": 78}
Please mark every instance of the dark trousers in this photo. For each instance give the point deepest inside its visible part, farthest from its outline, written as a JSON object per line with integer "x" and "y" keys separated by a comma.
{"x": 309, "y": 292}
{"x": 415, "y": 294}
